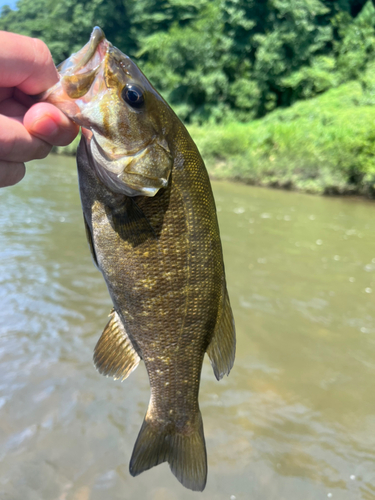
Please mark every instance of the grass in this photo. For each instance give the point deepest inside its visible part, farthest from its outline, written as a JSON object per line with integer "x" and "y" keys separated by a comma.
{"x": 325, "y": 145}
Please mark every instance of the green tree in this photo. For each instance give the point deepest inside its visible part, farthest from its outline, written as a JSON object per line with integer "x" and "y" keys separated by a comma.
{"x": 217, "y": 59}
{"x": 66, "y": 25}
{"x": 357, "y": 45}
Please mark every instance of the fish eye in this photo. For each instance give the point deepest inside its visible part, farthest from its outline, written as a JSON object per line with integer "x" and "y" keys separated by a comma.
{"x": 133, "y": 95}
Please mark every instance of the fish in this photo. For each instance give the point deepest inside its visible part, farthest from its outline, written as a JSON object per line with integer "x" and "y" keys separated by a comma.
{"x": 151, "y": 224}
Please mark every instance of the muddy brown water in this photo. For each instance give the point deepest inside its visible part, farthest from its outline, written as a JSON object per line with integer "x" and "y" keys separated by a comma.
{"x": 294, "y": 420}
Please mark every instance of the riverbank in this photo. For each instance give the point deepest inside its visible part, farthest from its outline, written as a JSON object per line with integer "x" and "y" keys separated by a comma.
{"x": 324, "y": 145}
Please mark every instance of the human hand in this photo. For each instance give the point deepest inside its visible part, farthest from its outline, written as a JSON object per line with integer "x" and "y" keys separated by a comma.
{"x": 27, "y": 130}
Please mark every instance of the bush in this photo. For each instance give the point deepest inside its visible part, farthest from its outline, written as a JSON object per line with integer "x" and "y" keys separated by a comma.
{"x": 325, "y": 144}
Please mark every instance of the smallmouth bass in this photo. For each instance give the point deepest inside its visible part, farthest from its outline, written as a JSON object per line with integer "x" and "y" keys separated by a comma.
{"x": 151, "y": 224}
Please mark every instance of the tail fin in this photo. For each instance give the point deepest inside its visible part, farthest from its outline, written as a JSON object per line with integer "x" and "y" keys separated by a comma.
{"x": 185, "y": 453}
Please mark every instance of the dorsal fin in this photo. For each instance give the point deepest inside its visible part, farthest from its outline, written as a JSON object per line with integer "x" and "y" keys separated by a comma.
{"x": 114, "y": 354}
{"x": 222, "y": 347}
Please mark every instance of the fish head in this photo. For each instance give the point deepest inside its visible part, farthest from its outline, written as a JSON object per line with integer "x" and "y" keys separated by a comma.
{"x": 124, "y": 120}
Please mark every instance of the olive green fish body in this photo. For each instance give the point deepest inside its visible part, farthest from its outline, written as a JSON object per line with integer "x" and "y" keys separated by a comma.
{"x": 151, "y": 223}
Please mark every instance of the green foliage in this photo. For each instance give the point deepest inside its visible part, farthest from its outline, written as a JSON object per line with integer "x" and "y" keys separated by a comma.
{"x": 357, "y": 47}
{"x": 240, "y": 59}
{"x": 223, "y": 62}
{"x": 66, "y": 25}
{"x": 185, "y": 64}
{"x": 217, "y": 60}
{"x": 234, "y": 57}
{"x": 322, "y": 145}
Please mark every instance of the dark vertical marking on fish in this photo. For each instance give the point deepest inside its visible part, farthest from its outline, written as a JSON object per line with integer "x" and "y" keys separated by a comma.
{"x": 130, "y": 222}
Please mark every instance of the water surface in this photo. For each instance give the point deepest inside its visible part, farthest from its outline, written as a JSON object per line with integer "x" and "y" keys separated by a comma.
{"x": 294, "y": 420}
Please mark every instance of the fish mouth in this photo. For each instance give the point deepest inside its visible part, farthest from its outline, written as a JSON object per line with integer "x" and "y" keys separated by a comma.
{"x": 77, "y": 62}
{"x": 78, "y": 73}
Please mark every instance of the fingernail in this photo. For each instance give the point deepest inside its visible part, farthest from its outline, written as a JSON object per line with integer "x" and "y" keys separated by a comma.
{"x": 44, "y": 126}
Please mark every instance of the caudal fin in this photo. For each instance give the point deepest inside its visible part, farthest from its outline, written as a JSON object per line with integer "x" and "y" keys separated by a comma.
{"x": 185, "y": 453}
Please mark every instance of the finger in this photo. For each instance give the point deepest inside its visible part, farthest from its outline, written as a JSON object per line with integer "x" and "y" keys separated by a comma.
{"x": 17, "y": 144}
{"x": 22, "y": 98}
{"x": 11, "y": 107}
{"x": 26, "y": 63}
{"x": 5, "y": 93}
{"x": 50, "y": 124}
{"x": 15, "y": 95}
{"x": 11, "y": 173}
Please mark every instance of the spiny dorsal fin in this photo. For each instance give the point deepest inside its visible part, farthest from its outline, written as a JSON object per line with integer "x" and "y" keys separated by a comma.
{"x": 114, "y": 354}
{"x": 222, "y": 347}
{"x": 184, "y": 451}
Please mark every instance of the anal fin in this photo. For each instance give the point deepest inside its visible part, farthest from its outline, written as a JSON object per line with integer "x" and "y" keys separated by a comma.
{"x": 114, "y": 354}
{"x": 222, "y": 348}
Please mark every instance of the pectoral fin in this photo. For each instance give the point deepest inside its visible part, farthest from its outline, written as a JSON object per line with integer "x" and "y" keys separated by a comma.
{"x": 222, "y": 347}
{"x": 114, "y": 354}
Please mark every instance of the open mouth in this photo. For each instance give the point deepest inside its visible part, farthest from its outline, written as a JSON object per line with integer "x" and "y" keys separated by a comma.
{"x": 78, "y": 72}
{"x": 88, "y": 58}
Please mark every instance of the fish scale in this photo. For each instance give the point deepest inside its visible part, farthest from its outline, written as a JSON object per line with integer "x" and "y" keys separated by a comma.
{"x": 151, "y": 223}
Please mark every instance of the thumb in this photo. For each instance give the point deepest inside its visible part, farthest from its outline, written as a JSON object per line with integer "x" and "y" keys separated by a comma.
{"x": 48, "y": 123}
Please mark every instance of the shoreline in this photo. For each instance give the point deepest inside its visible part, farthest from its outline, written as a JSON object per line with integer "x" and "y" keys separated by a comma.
{"x": 339, "y": 191}
{"x": 321, "y": 146}
{"x": 333, "y": 191}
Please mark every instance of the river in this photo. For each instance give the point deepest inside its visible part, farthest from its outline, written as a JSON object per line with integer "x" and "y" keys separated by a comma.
{"x": 294, "y": 420}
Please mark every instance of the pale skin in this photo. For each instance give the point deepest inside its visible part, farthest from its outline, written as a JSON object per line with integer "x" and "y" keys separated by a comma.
{"x": 27, "y": 130}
